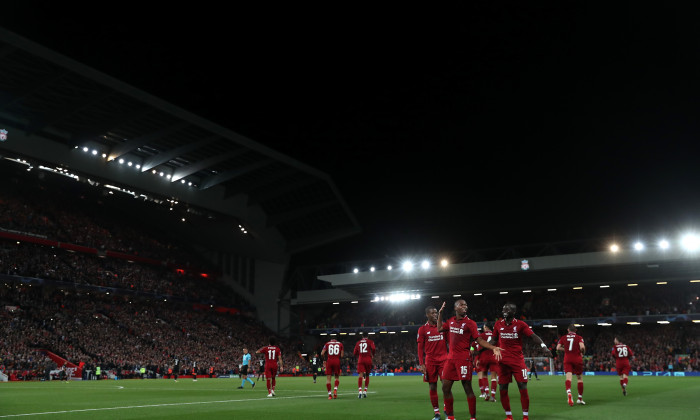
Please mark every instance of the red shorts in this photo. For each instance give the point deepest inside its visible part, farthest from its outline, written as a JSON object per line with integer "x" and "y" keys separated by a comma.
{"x": 508, "y": 368}
{"x": 488, "y": 363}
{"x": 270, "y": 371}
{"x": 432, "y": 371}
{"x": 364, "y": 367}
{"x": 457, "y": 370}
{"x": 574, "y": 367}
{"x": 622, "y": 368}
{"x": 333, "y": 367}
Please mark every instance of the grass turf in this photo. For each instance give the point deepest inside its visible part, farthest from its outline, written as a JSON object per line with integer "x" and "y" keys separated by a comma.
{"x": 298, "y": 398}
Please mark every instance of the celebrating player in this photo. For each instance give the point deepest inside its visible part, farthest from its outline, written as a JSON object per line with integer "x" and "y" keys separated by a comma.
{"x": 509, "y": 332}
{"x": 272, "y": 354}
{"x": 622, "y": 355}
{"x": 334, "y": 350}
{"x": 573, "y": 347}
{"x": 364, "y": 350}
{"x": 487, "y": 362}
{"x": 432, "y": 344}
{"x": 458, "y": 366}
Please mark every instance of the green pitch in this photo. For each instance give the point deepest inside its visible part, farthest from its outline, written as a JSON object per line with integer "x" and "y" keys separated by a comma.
{"x": 298, "y": 398}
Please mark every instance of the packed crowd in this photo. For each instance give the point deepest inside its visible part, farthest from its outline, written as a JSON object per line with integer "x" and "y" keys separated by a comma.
{"x": 117, "y": 333}
{"x": 642, "y": 300}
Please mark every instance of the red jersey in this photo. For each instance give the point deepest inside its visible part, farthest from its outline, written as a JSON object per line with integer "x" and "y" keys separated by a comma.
{"x": 333, "y": 349}
{"x": 488, "y": 337}
{"x": 622, "y": 353}
{"x": 572, "y": 349}
{"x": 272, "y": 353}
{"x": 510, "y": 338}
{"x": 461, "y": 333}
{"x": 364, "y": 350}
{"x": 432, "y": 343}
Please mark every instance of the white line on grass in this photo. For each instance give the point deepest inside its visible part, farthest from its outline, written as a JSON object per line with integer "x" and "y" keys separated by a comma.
{"x": 165, "y": 405}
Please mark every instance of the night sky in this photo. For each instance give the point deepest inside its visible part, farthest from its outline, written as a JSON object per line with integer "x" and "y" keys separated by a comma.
{"x": 444, "y": 130}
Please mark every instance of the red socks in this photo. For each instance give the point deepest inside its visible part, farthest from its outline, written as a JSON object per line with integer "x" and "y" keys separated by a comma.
{"x": 472, "y": 405}
{"x": 449, "y": 406}
{"x": 328, "y": 386}
{"x": 524, "y": 400}
{"x": 268, "y": 386}
{"x": 568, "y": 385}
{"x": 505, "y": 400}
{"x": 359, "y": 382}
{"x": 434, "y": 399}
{"x": 580, "y": 389}
{"x": 366, "y": 381}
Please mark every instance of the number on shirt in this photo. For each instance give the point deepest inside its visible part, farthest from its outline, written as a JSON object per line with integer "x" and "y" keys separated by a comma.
{"x": 271, "y": 354}
{"x": 622, "y": 351}
{"x": 571, "y": 342}
{"x": 363, "y": 347}
{"x": 334, "y": 349}
{"x": 465, "y": 370}
{"x": 524, "y": 371}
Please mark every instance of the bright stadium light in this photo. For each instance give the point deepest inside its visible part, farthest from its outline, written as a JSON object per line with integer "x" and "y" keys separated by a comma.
{"x": 407, "y": 266}
{"x": 690, "y": 242}
{"x": 444, "y": 263}
{"x": 371, "y": 269}
{"x": 638, "y": 246}
{"x": 425, "y": 264}
{"x": 614, "y": 248}
{"x": 85, "y": 149}
{"x": 389, "y": 268}
{"x": 355, "y": 271}
{"x": 663, "y": 244}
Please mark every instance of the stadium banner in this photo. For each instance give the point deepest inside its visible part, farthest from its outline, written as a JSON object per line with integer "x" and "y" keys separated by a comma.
{"x": 588, "y": 373}
{"x": 26, "y": 238}
{"x": 74, "y": 372}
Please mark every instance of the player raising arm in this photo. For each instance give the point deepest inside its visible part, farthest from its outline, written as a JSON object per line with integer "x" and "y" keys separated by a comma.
{"x": 458, "y": 366}
{"x": 509, "y": 334}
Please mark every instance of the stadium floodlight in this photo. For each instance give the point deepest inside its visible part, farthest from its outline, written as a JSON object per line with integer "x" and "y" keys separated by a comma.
{"x": 104, "y": 155}
{"x": 503, "y": 293}
{"x": 336, "y": 303}
{"x": 690, "y": 242}
{"x": 632, "y": 284}
{"x": 324, "y": 334}
{"x": 661, "y": 282}
{"x": 389, "y": 268}
{"x": 604, "y": 286}
{"x": 130, "y": 163}
{"x": 161, "y": 173}
{"x": 85, "y": 149}
{"x": 639, "y": 246}
{"x": 404, "y": 331}
{"x": 614, "y": 248}
{"x": 444, "y": 263}
{"x": 354, "y": 301}
{"x": 696, "y": 321}
{"x": 456, "y": 295}
{"x": 425, "y": 264}
{"x": 604, "y": 324}
{"x": 371, "y": 269}
{"x": 478, "y": 294}
{"x": 94, "y": 152}
{"x": 355, "y": 271}
{"x": 695, "y": 281}
{"x": 138, "y": 166}
{"x": 578, "y": 325}
{"x": 663, "y": 244}
{"x": 527, "y": 291}
{"x": 633, "y": 323}
{"x": 121, "y": 161}
{"x": 551, "y": 290}
{"x": 578, "y": 288}
{"x": 662, "y": 322}
{"x": 407, "y": 266}
{"x": 549, "y": 326}
{"x": 435, "y": 297}
{"x": 189, "y": 184}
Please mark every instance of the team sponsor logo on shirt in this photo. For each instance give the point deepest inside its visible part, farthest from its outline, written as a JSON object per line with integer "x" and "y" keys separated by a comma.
{"x": 456, "y": 330}
{"x": 512, "y": 335}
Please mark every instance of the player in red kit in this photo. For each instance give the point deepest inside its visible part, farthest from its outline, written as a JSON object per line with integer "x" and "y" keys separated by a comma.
{"x": 272, "y": 354}
{"x": 334, "y": 350}
{"x": 622, "y": 355}
{"x": 487, "y": 362}
{"x": 458, "y": 365}
{"x": 364, "y": 350}
{"x": 573, "y": 347}
{"x": 509, "y": 334}
{"x": 432, "y": 352}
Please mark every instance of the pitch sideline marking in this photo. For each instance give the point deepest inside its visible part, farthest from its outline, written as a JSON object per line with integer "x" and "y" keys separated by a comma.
{"x": 161, "y": 405}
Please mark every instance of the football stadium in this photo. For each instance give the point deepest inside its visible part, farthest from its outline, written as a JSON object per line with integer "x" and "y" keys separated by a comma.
{"x": 145, "y": 272}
